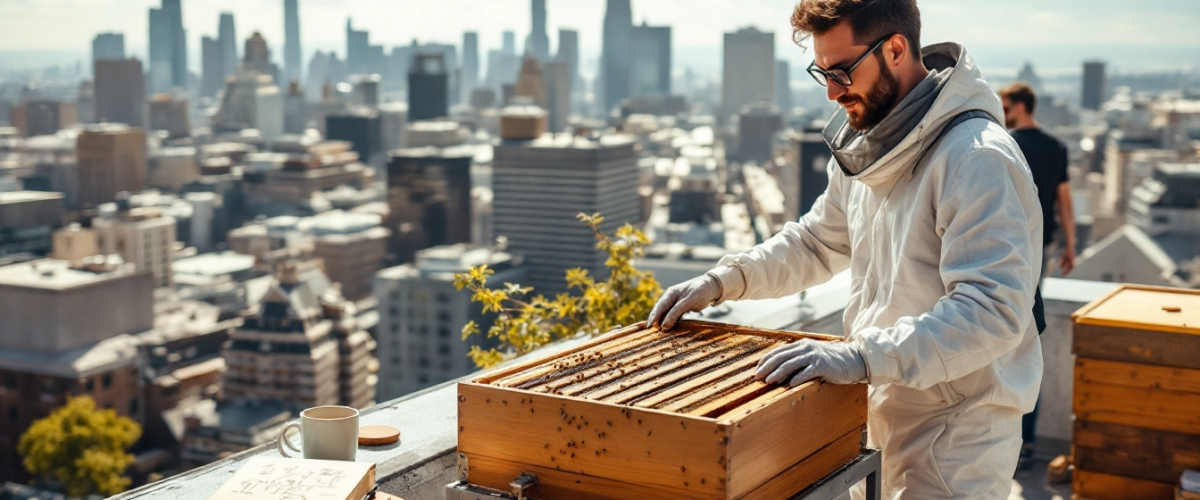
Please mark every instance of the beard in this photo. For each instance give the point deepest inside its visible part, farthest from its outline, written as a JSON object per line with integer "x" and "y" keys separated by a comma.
{"x": 878, "y": 101}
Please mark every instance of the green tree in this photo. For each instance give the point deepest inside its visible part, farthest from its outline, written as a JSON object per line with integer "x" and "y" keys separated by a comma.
{"x": 525, "y": 322}
{"x": 80, "y": 448}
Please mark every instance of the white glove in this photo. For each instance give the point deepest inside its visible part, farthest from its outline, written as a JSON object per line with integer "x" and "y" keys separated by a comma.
{"x": 836, "y": 362}
{"x": 692, "y": 295}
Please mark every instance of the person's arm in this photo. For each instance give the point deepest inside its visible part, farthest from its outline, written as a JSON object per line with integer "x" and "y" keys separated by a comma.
{"x": 1066, "y": 214}
{"x": 803, "y": 254}
{"x": 990, "y": 223}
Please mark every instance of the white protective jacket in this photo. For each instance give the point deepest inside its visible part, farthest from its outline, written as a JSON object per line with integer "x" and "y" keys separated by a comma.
{"x": 944, "y": 258}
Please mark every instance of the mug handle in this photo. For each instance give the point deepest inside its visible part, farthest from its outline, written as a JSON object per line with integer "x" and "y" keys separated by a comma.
{"x": 283, "y": 439}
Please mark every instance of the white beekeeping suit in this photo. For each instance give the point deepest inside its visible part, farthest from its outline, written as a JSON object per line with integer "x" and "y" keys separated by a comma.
{"x": 944, "y": 247}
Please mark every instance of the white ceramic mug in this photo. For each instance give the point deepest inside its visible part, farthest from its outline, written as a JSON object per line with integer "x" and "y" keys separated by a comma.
{"x": 326, "y": 433}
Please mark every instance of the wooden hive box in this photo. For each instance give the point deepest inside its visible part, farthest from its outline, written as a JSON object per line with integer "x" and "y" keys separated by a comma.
{"x": 1137, "y": 393}
{"x": 644, "y": 414}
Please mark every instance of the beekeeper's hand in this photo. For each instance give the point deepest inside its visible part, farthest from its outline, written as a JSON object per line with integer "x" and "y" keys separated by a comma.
{"x": 806, "y": 359}
{"x": 692, "y": 295}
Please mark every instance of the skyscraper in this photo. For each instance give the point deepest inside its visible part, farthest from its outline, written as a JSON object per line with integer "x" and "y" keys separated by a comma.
{"x": 650, "y": 61}
{"x": 429, "y": 197}
{"x": 173, "y": 11}
{"x": 530, "y": 83}
{"x": 614, "y": 65}
{"x": 142, "y": 236}
{"x": 1093, "y": 85}
{"x": 783, "y": 87}
{"x": 168, "y": 47}
{"x": 111, "y": 159}
{"x": 358, "y": 47}
{"x": 120, "y": 91}
{"x": 749, "y": 70}
{"x": 470, "y": 64}
{"x": 538, "y": 43}
{"x": 291, "y": 41}
{"x": 227, "y": 36}
{"x": 108, "y": 46}
{"x": 568, "y": 52}
{"x": 160, "y": 52}
{"x": 212, "y": 67}
{"x": 503, "y": 64}
{"x": 557, "y": 75}
{"x": 428, "y": 88}
{"x": 540, "y": 184}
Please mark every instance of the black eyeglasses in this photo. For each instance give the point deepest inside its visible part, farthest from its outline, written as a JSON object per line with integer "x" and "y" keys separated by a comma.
{"x": 841, "y": 76}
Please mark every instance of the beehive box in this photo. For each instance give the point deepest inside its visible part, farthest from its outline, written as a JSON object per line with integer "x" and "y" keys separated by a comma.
{"x": 644, "y": 414}
{"x": 1137, "y": 393}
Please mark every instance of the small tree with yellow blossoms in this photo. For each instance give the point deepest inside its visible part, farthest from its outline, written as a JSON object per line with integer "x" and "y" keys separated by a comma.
{"x": 525, "y": 322}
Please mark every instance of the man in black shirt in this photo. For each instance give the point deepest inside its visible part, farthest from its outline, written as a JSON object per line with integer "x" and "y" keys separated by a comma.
{"x": 1047, "y": 158}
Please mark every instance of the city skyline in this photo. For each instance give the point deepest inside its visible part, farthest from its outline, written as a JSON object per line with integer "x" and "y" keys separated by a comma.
{"x": 1149, "y": 36}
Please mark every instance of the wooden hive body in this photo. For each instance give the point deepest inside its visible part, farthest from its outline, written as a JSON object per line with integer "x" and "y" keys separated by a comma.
{"x": 644, "y": 414}
{"x": 1137, "y": 393}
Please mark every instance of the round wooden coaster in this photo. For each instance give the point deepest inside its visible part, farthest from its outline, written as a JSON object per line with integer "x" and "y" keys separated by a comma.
{"x": 375, "y": 435}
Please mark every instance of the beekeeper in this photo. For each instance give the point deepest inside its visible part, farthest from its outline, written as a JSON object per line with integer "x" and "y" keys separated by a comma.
{"x": 933, "y": 209}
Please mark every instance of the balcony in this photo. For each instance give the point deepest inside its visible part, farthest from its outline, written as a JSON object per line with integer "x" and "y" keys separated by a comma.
{"x": 424, "y": 461}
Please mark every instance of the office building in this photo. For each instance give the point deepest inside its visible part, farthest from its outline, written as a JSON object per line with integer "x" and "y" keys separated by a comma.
{"x": 251, "y": 98}
{"x": 361, "y": 129}
{"x": 650, "y": 66}
{"x": 617, "y": 52}
{"x": 257, "y": 57}
{"x": 109, "y": 159}
{"x": 85, "y": 104}
{"x": 749, "y": 70}
{"x": 557, "y": 78}
{"x": 503, "y": 64}
{"x": 170, "y": 114}
{"x": 429, "y": 198}
{"x": 168, "y": 47}
{"x": 120, "y": 92}
{"x": 757, "y": 125}
{"x": 783, "y": 87}
{"x": 108, "y": 46}
{"x": 142, "y": 236}
{"x": 227, "y": 36}
{"x": 67, "y": 332}
{"x": 393, "y": 120}
{"x": 538, "y": 43}
{"x": 352, "y": 248}
{"x": 27, "y": 219}
{"x": 421, "y": 315}
{"x": 428, "y": 88}
{"x": 359, "y": 57}
{"x": 470, "y": 64}
{"x": 212, "y": 67}
{"x": 74, "y": 242}
{"x": 291, "y": 41}
{"x": 1093, "y": 85}
{"x": 568, "y": 52}
{"x": 540, "y": 184}
{"x": 42, "y": 117}
{"x": 171, "y": 168}
{"x": 805, "y": 175}
{"x": 531, "y": 84}
{"x": 295, "y": 110}
{"x": 306, "y": 332}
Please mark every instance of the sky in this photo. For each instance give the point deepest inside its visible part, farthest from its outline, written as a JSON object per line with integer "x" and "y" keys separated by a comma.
{"x": 1054, "y": 34}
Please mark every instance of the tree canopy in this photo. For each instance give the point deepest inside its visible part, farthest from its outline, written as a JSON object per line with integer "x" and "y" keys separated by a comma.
{"x": 80, "y": 448}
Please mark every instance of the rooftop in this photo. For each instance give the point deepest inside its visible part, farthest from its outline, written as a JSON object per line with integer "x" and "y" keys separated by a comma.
{"x": 28, "y": 196}
{"x": 51, "y": 274}
{"x": 100, "y": 357}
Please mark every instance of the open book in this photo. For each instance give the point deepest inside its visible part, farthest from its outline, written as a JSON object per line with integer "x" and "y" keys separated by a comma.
{"x": 277, "y": 478}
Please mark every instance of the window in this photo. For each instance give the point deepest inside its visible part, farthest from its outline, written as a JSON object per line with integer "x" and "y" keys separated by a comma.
{"x": 133, "y": 406}
{"x": 10, "y": 381}
{"x": 90, "y": 385}
{"x": 1106, "y": 277}
{"x": 106, "y": 381}
{"x": 423, "y": 362}
{"x": 442, "y": 298}
{"x": 444, "y": 350}
{"x": 48, "y": 387}
{"x": 444, "y": 332}
{"x": 444, "y": 316}
{"x": 13, "y": 413}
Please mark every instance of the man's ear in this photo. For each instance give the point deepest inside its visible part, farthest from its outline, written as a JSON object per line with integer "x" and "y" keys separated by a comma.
{"x": 896, "y": 49}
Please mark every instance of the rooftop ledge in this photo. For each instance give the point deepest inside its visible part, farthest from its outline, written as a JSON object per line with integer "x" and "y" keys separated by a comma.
{"x": 424, "y": 461}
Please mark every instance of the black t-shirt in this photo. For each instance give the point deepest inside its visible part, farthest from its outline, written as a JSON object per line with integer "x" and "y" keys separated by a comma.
{"x": 1047, "y": 157}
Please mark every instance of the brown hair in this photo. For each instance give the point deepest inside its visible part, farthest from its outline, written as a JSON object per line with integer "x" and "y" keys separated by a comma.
{"x": 869, "y": 19}
{"x": 1020, "y": 92}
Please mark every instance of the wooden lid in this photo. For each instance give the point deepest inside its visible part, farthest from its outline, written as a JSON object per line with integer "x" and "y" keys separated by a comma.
{"x": 1140, "y": 307}
{"x": 375, "y": 435}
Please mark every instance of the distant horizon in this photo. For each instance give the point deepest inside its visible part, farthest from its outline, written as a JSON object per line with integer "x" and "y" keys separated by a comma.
{"x": 1151, "y": 36}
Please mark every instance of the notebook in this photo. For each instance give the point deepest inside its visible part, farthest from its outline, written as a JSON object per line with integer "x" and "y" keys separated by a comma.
{"x": 277, "y": 478}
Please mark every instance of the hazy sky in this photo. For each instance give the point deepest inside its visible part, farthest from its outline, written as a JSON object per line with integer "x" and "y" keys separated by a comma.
{"x": 1001, "y": 33}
